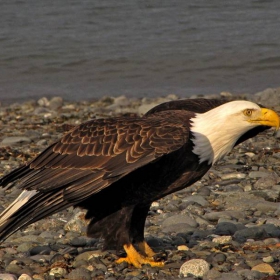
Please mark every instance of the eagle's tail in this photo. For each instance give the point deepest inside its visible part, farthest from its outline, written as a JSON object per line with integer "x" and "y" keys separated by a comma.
{"x": 27, "y": 208}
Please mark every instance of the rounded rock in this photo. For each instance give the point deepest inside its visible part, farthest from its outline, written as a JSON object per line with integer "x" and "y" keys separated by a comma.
{"x": 227, "y": 239}
{"x": 268, "y": 259}
{"x": 226, "y": 228}
{"x": 58, "y": 271}
{"x": 56, "y": 103}
{"x": 7, "y": 276}
{"x": 264, "y": 268}
{"x": 24, "y": 277}
{"x": 194, "y": 267}
{"x": 15, "y": 140}
{"x": 79, "y": 273}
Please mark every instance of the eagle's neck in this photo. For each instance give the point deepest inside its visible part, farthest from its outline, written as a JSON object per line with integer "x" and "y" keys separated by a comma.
{"x": 214, "y": 134}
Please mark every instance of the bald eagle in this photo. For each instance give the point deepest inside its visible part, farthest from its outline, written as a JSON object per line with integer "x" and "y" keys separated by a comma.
{"x": 116, "y": 167}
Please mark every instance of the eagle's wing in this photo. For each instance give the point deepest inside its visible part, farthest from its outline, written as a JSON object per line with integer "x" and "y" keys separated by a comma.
{"x": 197, "y": 105}
{"x": 86, "y": 160}
{"x": 97, "y": 153}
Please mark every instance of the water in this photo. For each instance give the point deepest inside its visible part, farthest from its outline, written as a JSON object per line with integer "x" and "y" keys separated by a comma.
{"x": 87, "y": 49}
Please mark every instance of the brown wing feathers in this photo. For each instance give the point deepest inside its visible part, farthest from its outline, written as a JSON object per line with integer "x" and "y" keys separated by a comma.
{"x": 99, "y": 150}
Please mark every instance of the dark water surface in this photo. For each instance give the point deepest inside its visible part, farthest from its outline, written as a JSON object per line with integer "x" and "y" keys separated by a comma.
{"x": 87, "y": 49}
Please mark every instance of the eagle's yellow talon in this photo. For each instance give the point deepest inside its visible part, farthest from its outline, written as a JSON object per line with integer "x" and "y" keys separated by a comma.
{"x": 137, "y": 260}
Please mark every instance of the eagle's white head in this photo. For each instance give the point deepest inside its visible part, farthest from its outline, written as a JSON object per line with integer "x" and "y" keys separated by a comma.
{"x": 216, "y": 131}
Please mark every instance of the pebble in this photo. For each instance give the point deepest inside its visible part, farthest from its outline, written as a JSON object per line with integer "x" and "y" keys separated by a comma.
{"x": 199, "y": 199}
{"x": 79, "y": 273}
{"x": 194, "y": 267}
{"x": 222, "y": 239}
{"x": 55, "y": 103}
{"x": 58, "y": 272}
{"x": 247, "y": 233}
{"x": 179, "y": 219}
{"x": 268, "y": 259}
{"x": 233, "y": 175}
{"x": 24, "y": 277}
{"x": 225, "y": 228}
{"x": 183, "y": 248}
{"x": 15, "y": 140}
{"x": 234, "y": 208}
{"x": 264, "y": 268}
{"x": 6, "y": 276}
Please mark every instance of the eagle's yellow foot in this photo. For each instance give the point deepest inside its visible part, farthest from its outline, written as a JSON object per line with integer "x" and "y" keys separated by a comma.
{"x": 145, "y": 249}
{"x": 134, "y": 258}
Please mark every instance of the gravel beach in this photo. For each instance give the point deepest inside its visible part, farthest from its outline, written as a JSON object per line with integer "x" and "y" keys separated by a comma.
{"x": 225, "y": 226}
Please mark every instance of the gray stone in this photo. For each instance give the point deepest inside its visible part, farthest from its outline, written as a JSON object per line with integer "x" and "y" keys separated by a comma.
{"x": 15, "y": 140}
{"x": 79, "y": 273}
{"x": 266, "y": 206}
{"x": 43, "y": 102}
{"x": 121, "y": 100}
{"x": 264, "y": 183}
{"x": 233, "y": 188}
{"x": 273, "y": 221}
{"x": 270, "y": 97}
{"x": 183, "y": 219}
{"x": 225, "y": 228}
{"x": 272, "y": 230}
{"x": 42, "y": 250}
{"x": 25, "y": 247}
{"x": 13, "y": 268}
{"x": 213, "y": 274}
{"x": 42, "y": 142}
{"x": 247, "y": 233}
{"x": 7, "y": 276}
{"x": 215, "y": 216}
{"x": 197, "y": 199}
{"x": 78, "y": 242}
{"x": 55, "y": 103}
{"x": 177, "y": 228}
{"x": 258, "y": 174}
{"x": 250, "y": 274}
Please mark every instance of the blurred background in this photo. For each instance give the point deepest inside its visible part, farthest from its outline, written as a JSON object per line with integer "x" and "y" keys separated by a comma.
{"x": 86, "y": 49}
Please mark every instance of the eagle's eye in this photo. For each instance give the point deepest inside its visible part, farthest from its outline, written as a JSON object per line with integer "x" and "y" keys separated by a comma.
{"x": 248, "y": 112}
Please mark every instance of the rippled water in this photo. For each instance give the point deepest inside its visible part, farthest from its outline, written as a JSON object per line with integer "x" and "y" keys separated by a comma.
{"x": 87, "y": 49}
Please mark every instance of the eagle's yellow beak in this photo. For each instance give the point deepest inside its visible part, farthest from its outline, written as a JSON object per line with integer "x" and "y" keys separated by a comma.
{"x": 268, "y": 118}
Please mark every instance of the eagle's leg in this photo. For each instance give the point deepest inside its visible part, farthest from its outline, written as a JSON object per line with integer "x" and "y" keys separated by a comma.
{"x": 145, "y": 249}
{"x": 136, "y": 259}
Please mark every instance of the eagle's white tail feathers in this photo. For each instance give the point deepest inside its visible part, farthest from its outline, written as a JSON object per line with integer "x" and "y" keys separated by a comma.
{"x": 22, "y": 199}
